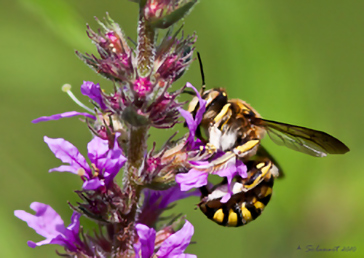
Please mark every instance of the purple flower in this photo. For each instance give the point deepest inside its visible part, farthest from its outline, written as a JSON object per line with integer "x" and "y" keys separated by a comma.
{"x": 106, "y": 163}
{"x": 225, "y": 165}
{"x": 155, "y": 202}
{"x": 192, "y": 123}
{"x": 62, "y": 115}
{"x": 93, "y": 91}
{"x": 47, "y": 223}
{"x": 193, "y": 179}
{"x": 172, "y": 247}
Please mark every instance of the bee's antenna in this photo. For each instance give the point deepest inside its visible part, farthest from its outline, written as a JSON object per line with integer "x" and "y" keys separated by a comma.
{"x": 202, "y": 73}
{"x": 203, "y": 87}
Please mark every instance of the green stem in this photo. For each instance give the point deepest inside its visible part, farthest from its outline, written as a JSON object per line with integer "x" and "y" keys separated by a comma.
{"x": 137, "y": 148}
{"x": 146, "y": 46}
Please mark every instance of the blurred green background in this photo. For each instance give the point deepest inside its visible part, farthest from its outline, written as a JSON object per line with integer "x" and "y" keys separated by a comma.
{"x": 299, "y": 62}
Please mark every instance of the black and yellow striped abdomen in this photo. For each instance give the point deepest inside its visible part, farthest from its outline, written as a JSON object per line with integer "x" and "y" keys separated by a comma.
{"x": 243, "y": 206}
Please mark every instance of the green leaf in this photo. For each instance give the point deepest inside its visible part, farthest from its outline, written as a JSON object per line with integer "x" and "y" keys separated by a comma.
{"x": 173, "y": 17}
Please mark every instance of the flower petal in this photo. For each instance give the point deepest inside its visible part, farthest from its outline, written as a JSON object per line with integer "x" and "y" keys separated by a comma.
{"x": 67, "y": 153}
{"x": 138, "y": 249}
{"x": 235, "y": 167}
{"x": 109, "y": 161}
{"x": 146, "y": 238}
{"x": 192, "y": 123}
{"x": 241, "y": 169}
{"x": 47, "y": 223}
{"x": 93, "y": 184}
{"x": 97, "y": 148}
{"x": 174, "y": 194}
{"x": 192, "y": 179}
{"x": 176, "y": 244}
{"x": 155, "y": 202}
{"x": 62, "y": 115}
{"x": 192, "y": 126}
{"x": 202, "y": 102}
{"x": 93, "y": 91}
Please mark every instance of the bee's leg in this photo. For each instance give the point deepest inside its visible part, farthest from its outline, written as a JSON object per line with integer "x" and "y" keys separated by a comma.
{"x": 229, "y": 156}
{"x": 222, "y": 114}
{"x": 247, "y": 149}
{"x": 214, "y": 129}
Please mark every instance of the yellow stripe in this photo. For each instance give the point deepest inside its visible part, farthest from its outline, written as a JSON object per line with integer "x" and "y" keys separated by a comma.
{"x": 260, "y": 165}
{"x": 246, "y": 213}
{"x": 218, "y": 216}
{"x": 222, "y": 113}
{"x": 233, "y": 218}
{"x": 241, "y": 105}
{"x": 259, "y": 205}
{"x": 268, "y": 192}
{"x": 247, "y": 146}
{"x": 266, "y": 169}
{"x": 193, "y": 104}
{"x": 222, "y": 126}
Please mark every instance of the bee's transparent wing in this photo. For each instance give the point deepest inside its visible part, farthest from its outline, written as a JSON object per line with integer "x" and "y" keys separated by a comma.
{"x": 302, "y": 139}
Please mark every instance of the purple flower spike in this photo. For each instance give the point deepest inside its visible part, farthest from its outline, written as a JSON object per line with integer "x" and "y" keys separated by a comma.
{"x": 47, "y": 223}
{"x": 93, "y": 91}
{"x": 62, "y": 115}
{"x": 192, "y": 123}
{"x": 173, "y": 247}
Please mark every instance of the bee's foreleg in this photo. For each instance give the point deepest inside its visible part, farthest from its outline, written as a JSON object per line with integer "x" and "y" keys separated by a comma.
{"x": 247, "y": 149}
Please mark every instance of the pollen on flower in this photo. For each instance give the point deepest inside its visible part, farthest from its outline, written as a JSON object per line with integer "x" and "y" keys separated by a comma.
{"x": 81, "y": 172}
{"x": 96, "y": 170}
{"x": 114, "y": 42}
{"x": 66, "y": 87}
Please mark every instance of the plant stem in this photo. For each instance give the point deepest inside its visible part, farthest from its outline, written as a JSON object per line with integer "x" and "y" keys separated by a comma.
{"x": 146, "y": 46}
{"x": 137, "y": 144}
{"x": 125, "y": 230}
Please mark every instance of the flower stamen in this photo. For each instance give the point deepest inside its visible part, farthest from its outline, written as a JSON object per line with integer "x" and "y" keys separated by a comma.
{"x": 67, "y": 88}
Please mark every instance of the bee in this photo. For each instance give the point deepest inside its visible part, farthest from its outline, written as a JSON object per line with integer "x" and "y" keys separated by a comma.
{"x": 234, "y": 127}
